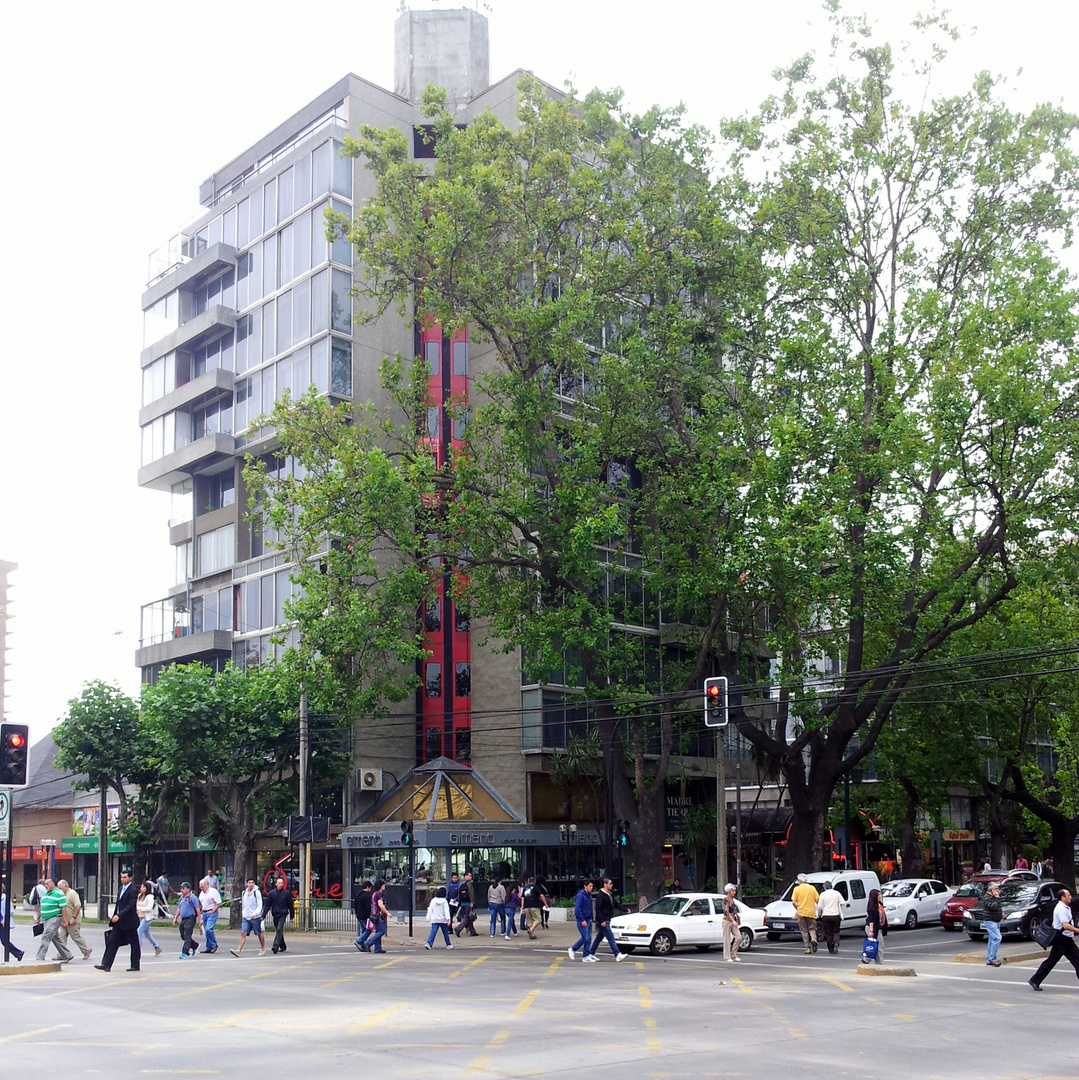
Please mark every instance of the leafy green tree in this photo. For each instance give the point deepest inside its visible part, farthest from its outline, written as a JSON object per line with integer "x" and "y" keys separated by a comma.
{"x": 582, "y": 248}
{"x": 911, "y": 385}
{"x": 99, "y": 740}
{"x": 230, "y": 740}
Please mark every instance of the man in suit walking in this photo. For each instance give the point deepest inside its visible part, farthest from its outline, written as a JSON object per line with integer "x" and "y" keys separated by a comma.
{"x": 123, "y": 926}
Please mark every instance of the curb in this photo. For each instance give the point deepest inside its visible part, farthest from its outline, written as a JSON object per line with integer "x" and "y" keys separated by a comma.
{"x": 873, "y": 969}
{"x": 42, "y": 967}
{"x": 1015, "y": 958}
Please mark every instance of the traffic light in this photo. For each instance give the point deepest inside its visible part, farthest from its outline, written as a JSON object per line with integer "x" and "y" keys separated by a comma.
{"x": 406, "y": 833}
{"x": 14, "y": 754}
{"x": 715, "y": 701}
{"x": 622, "y": 834}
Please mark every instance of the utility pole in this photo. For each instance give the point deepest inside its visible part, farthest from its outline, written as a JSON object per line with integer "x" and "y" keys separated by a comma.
{"x": 103, "y": 856}
{"x": 737, "y": 829}
{"x": 305, "y": 847}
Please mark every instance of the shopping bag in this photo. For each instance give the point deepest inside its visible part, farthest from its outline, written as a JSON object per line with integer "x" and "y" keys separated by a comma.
{"x": 870, "y": 949}
{"x": 1043, "y": 933}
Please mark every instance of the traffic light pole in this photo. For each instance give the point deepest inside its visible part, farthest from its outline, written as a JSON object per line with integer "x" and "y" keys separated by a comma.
{"x": 8, "y": 907}
{"x": 721, "y": 811}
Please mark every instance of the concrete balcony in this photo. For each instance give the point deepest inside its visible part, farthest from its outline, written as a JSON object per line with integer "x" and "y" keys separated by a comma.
{"x": 187, "y": 648}
{"x": 184, "y": 273}
{"x": 214, "y": 384}
{"x": 213, "y": 321}
{"x": 178, "y": 465}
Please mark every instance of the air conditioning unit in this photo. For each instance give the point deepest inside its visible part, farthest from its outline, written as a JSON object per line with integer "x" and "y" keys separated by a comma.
{"x": 368, "y": 779}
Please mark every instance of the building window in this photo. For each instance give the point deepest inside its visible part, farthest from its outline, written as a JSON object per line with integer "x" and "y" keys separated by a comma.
{"x": 462, "y": 679}
{"x": 432, "y": 680}
{"x": 464, "y": 745}
{"x": 432, "y": 743}
{"x": 217, "y": 549}
{"x": 462, "y": 621}
{"x": 432, "y": 618}
{"x": 460, "y": 358}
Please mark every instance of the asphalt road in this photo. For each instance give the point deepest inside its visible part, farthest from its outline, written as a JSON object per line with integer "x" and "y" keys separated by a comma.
{"x": 522, "y": 1009}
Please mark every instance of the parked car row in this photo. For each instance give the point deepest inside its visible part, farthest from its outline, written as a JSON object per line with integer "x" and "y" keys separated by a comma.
{"x": 696, "y": 919}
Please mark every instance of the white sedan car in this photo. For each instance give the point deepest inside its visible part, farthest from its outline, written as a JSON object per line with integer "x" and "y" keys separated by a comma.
{"x": 910, "y": 901}
{"x": 683, "y": 919}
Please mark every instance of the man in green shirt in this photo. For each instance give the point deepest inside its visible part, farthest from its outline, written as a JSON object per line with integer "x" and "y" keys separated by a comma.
{"x": 52, "y": 913}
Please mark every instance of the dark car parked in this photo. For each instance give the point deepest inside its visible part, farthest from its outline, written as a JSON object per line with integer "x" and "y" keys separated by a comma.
{"x": 1024, "y": 903}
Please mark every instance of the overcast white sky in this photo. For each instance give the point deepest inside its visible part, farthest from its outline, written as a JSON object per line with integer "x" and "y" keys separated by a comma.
{"x": 114, "y": 112}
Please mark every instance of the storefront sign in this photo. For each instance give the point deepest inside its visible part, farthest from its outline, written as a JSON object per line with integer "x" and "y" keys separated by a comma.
{"x": 958, "y": 836}
{"x": 439, "y": 837}
{"x": 201, "y": 843}
{"x": 87, "y": 845}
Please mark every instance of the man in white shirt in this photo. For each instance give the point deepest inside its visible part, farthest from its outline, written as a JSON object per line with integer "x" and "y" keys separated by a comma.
{"x": 830, "y": 913}
{"x": 1063, "y": 943}
{"x": 251, "y": 901}
{"x": 209, "y": 902}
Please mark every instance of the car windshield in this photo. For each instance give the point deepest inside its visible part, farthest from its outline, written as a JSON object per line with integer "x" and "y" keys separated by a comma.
{"x": 666, "y": 905}
{"x": 1018, "y": 892}
{"x": 972, "y": 888}
{"x": 898, "y": 888}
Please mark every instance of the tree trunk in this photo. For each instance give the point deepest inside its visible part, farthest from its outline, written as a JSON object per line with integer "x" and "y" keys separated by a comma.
{"x": 1062, "y": 845}
{"x": 804, "y": 852}
{"x": 648, "y": 835}
{"x": 910, "y": 845}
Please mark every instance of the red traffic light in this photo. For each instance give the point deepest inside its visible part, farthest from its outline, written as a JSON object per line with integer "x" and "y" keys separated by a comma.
{"x": 16, "y": 740}
{"x": 715, "y": 690}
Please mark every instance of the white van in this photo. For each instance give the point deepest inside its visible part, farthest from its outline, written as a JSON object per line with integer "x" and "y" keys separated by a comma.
{"x": 853, "y": 885}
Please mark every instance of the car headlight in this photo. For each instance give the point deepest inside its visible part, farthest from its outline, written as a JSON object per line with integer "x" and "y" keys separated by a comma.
{"x": 968, "y": 914}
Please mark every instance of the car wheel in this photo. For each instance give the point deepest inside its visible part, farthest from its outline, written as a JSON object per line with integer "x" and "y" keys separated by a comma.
{"x": 773, "y": 936}
{"x": 626, "y": 948}
{"x": 911, "y": 920}
{"x": 662, "y": 943}
{"x": 1028, "y": 928}
{"x": 747, "y": 939}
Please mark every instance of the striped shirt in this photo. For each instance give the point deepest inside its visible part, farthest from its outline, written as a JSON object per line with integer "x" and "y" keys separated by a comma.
{"x": 52, "y": 903}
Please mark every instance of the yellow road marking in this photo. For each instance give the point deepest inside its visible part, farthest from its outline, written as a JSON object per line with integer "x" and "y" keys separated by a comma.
{"x": 553, "y": 969}
{"x": 228, "y": 1021}
{"x": 524, "y": 1004}
{"x": 372, "y": 1021}
{"x": 389, "y": 963}
{"x": 654, "y": 1047}
{"x": 455, "y": 974}
{"x": 836, "y": 982}
{"x": 644, "y": 997}
{"x": 742, "y": 986}
{"x": 36, "y": 1031}
{"x": 797, "y": 1033}
{"x": 650, "y": 1023}
{"x": 199, "y": 990}
{"x": 903, "y": 1016}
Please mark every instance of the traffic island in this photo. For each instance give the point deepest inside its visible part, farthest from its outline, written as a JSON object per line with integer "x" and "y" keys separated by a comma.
{"x": 884, "y": 969}
{"x": 34, "y": 967}
{"x": 1014, "y": 958}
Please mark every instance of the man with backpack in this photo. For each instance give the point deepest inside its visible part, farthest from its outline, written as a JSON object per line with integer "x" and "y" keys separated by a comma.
{"x": 534, "y": 900}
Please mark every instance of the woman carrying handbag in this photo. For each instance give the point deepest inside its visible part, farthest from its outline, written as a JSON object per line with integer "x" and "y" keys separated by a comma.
{"x": 876, "y": 926}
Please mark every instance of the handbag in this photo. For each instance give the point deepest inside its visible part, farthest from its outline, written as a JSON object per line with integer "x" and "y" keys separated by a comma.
{"x": 870, "y": 949}
{"x": 1043, "y": 933}
{"x": 39, "y": 929}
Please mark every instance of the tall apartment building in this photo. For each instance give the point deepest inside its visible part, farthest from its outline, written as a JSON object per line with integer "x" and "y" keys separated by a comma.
{"x": 251, "y": 301}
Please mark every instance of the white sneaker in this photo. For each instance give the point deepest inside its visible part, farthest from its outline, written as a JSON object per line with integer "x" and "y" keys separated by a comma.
{"x": 728, "y": 958}
{"x": 506, "y": 936}
{"x": 262, "y": 952}
{"x": 737, "y": 959}
{"x": 590, "y": 960}
{"x": 449, "y": 946}
{"x": 620, "y": 957}
{"x": 571, "y": 954}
